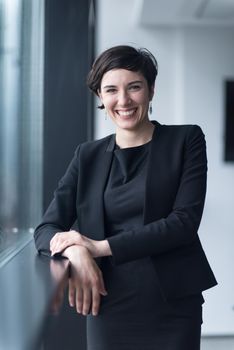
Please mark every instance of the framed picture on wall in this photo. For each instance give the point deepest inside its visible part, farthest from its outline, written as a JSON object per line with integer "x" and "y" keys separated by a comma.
{"x": 229, "y": 121}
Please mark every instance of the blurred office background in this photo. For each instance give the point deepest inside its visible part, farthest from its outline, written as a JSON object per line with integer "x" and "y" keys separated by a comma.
{"x": 46, "y": 50}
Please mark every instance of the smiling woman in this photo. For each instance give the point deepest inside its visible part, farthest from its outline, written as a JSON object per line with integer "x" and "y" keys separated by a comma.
{"x": 125, "y": 86}
{"x": 138, "y": 196}
{"x": 126, "y": 96}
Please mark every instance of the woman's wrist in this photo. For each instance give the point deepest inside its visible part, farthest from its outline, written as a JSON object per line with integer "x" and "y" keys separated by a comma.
{"x": 95, "y": 248}
{"x": 73, "y": 251}
{"x": 102, "y": 248}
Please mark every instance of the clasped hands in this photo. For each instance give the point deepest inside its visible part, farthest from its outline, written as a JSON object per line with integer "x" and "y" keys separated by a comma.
{"x": 63, "y": 240}
{"x": 86, "y": 285}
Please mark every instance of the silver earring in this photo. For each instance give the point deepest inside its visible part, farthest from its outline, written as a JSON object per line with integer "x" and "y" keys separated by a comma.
{"x": 105, "y": 114}
{"x": 150, "y": 107}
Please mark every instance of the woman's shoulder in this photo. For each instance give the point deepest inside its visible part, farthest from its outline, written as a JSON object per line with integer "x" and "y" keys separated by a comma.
{"x": 97, "y": 144}
{"x": 179, "y": 129}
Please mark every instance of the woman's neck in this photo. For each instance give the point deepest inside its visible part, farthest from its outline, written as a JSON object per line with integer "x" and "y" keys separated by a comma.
{"x": 133, "y": 138}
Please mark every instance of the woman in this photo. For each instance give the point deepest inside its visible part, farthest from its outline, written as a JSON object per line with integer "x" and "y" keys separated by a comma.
{"x": 138, "y": 198}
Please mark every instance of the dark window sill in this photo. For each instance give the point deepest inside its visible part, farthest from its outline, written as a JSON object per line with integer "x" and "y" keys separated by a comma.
{"x": 11, "y": 243}
{"x": 29, "y": 283}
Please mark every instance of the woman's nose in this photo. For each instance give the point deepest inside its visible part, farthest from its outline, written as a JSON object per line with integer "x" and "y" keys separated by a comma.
{"x": 124, "y": 98}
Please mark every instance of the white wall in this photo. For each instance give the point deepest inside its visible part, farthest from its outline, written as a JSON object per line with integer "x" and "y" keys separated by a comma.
{"x": 116, "y": 26}
{"x": 193, "y": 64}
{"x": 209, "y": 60}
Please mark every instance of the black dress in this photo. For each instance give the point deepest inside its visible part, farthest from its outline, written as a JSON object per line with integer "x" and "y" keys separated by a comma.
{"x": 134, "y": 314}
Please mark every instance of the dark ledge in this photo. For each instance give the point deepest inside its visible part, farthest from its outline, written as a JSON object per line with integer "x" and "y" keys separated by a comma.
{"x": 28, "y": 284}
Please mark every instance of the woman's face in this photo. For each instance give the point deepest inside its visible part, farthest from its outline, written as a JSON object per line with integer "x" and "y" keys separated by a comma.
{"x": 125, "y": 95}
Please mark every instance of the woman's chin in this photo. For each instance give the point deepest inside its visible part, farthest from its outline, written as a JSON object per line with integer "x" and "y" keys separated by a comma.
{"x": 126, "y": 123}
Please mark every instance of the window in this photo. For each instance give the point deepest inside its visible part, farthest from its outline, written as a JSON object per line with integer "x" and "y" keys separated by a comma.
{"x": 21, "y": 86}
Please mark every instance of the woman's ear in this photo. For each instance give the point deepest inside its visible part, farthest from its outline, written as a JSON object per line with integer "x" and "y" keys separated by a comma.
{"x": 101, "y": 100}
{"x": 151, "y": 92}
{"x": 99, "y": 94}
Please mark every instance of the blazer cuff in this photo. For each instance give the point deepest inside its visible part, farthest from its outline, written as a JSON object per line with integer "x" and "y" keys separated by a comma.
{"x": 120, "y": 251}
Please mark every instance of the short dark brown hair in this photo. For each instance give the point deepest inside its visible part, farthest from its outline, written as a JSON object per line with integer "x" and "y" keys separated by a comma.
{"x": 123, "y": 57}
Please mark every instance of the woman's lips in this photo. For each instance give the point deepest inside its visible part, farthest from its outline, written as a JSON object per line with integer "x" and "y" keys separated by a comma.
{"x": 126, "y": 113}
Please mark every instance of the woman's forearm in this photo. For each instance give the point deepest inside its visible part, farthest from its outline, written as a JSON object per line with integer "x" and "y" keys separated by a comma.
{"x": 64, "y": 240}
{"x": 103, "y": 248}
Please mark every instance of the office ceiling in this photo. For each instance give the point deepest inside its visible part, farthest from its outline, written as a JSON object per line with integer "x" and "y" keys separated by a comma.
{"x": 186, "y": 12}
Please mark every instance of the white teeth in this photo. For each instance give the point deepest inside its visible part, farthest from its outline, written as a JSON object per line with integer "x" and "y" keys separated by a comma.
{"x": 126, "y": 113}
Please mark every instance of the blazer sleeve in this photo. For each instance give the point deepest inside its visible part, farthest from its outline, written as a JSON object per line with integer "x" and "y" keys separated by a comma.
{"x": 61, "y": 213}
{"x": 180, "y": 227}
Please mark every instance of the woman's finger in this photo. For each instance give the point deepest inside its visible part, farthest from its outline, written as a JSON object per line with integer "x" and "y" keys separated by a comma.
{"x": 96, "y": 299}
{"x": 87, "y": 299}
{"x": 59, "y": 247}
{"x": 71, "y": 293}
{"x": 79, "y": 299}
{"x": 61, "y": 244}
{"x": 57, "y": 239}
{"x": 102, "y": 288}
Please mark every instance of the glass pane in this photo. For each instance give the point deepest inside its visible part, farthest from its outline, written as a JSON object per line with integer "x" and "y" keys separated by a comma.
{"x": 21, "y": 63}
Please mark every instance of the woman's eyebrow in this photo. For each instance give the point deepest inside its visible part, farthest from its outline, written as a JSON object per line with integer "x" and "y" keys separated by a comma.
{"x": 109, "y": 86}
{"x": 135, "y": 82}
{"x": 131, "y": 82}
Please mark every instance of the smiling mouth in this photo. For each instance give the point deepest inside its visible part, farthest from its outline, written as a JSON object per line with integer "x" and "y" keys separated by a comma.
{"x": 127, "y": 113}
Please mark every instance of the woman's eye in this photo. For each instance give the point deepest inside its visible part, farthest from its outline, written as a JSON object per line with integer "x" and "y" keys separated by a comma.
{"x": 111, "y": 90}
{"x": 135, "y": 87}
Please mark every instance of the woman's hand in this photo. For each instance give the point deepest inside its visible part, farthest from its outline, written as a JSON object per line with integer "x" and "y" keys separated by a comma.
{"x": 63, "y": 240}
{"x": 59, "y": 271}
{"x": 86, "y": 283}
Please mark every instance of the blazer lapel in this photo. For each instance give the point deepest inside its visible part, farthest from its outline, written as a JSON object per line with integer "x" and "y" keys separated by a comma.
{"x": 157, "y": 194}
{"x": 92, "y": 205}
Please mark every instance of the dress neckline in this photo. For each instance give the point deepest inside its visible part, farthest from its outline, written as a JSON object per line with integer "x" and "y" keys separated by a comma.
{"x": 140, "y": 147}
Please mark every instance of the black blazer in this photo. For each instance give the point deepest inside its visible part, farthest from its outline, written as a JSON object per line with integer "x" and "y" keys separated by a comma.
{"x": 174, "y": 200}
